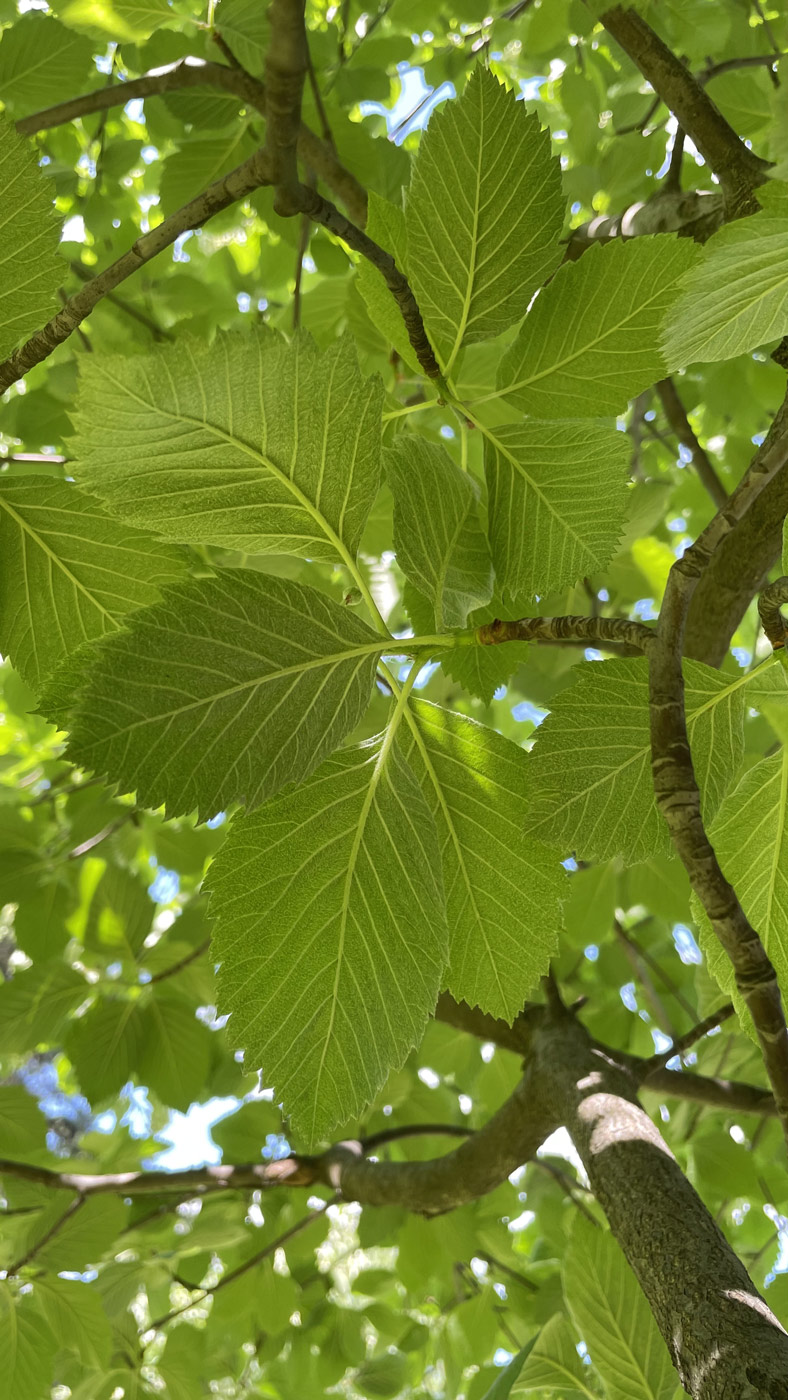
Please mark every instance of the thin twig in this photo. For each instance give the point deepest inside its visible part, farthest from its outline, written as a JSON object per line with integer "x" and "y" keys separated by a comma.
{"x": 676, "y": 415}
{"x": 574, "y": 630}
{"x": 264, "y": 1253}
{"x": 177, "y": 967}
{"x": 682, "y": 1043}
{"x": 127, "y": 307}
{"x": 220, "y": 195}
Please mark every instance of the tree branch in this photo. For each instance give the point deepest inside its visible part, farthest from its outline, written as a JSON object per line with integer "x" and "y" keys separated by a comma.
{"x": 322, "y": 211}
{"x": 676, "y": 415}
{"x": 633, "y": 638}
{"x": 739, "y": 566}
{"x": 228, "y": 190}
{"x": 676, "y": 788}
{"x": 684, "y": 1042}
{"x": 723, "y": 1339}
{"x": 285, "y": 71}
{"x": 728, "y": 1094}
{"x": 769, "y": 604}
{"x": 738, "y": 169}
{"x": 188, "y": 73}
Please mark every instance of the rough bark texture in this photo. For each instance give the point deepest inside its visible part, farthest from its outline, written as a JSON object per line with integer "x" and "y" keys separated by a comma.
{"x": 725, "y": 1342}
{"x": 739, "y": 566}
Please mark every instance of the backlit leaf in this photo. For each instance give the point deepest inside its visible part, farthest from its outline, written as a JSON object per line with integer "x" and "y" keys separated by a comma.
{"x": 68, "y": 572}
{"x": 250, "y": 442}
{"x": 589, "y": 773}
{"x": 30, "y": 270}
{"x": 503, "y": 890}
{"x": 557, "y": 502}
{"x": 229, "y": 688}
{"x": 591, "y": 340}
{"x": 484, "y": 215}
{"x": 331, "y": 934}
{"x": 437, "y": 536}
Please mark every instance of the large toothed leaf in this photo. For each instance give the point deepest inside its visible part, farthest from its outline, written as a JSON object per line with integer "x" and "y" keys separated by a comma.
{"x": 30, "y": 269}
{"x": 503, "y": 890}
{"x": 229, "y": 688}
{"x": 331, "y": 933}
{"x": 250, "y": 442}
{"x": 611, "y": 1313}
{"x": 68, "y": 572}
{"x": 591, "y": 340}
{"x": 437, "y": 536}
{"x": 589, "y": 772}
{"x": 483, "y": 216}
{"x": 557, "y": 502}
{"x": 736, "y": 299}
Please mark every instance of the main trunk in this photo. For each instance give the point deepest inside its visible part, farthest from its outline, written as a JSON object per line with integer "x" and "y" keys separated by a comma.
{"x": 725, "y": 1342}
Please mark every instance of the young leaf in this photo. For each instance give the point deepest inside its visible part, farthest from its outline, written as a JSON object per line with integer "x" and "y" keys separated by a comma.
{"x": 483, "y": 216}
{"x": 613, "y": 1318}
{"x": 250, "y": 443}
{"x": 35, "y": 1004}
{"x": 591, "y": 340}
{"x": 736, "y": 299}
{"x": 557, "y": 502}
{"x": 437, "y": 536}
{"x": 589, "y": 775}
{"x": 68, "y": 572}
{"x": 104, "y": 1047}
{"x": 331, "y": 933}
{"x": 228, "y": 689}
{"x": 31, "y": 270}
{"x": 503, "y": 890}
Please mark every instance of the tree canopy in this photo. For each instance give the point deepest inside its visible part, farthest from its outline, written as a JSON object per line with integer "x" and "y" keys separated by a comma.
{"x": 394, "y": 709}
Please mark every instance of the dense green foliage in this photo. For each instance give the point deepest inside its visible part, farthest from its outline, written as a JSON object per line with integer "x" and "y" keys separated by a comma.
{"x": 256, "y": 762}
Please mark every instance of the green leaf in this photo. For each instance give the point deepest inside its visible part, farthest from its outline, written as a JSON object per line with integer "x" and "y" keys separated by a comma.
{"x": 737, "y": 298}
{"x": 69, "y": 572}
{"x": 22, "y": 1124}
{"x": 183, "y": 1363}
{"x": 612, "y": 1316}
{"x": 484, "y": 215}
{"x": 331, "y": 933}
{"x": 750, "y": 838}
{"x": 242, "y": 1135}
{"x": 31, "y": 270}
{"x": 249, "y": 443}
{"x": 503, "y": 890}
{"x": 42, "y": 62}
{"x": 228, "y": 689}
{"x": 243, "y": 24}
{"x": 589, "y": 772}
{"x": 88, "y": 1229}
{"x": 591, "y": 340}
{"x": 437, "y": 536}
{"x": 501, "y": 1387}
{"x": 554, "y": 1365}
{"x": 557, "y": 502}
{"x": 386, "y": 225}
{"x": 382, "y": 1376}
{"x": 121, "y": 913}
{"x": 197, "y": 163}
{"x": 26, "y": 1348}
{"x": 74, "y": 1312}
{"x": 104, "y": 1047}
{"x": 175, "y": 1050}
{"x": 127, "y": 20}
{"x": 784, "y": 558}
{"x": 35, "y": 1004}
